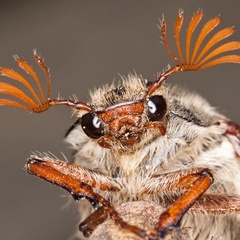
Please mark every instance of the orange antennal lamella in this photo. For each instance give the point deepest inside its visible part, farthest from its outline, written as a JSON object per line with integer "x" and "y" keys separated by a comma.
{"x": 34, "y": 103}
{"x": 201, "y": 56}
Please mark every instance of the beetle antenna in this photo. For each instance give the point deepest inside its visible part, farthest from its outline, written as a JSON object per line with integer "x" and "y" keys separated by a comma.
{"x": 32, "y": 103}
{"x": 199, "y": 58}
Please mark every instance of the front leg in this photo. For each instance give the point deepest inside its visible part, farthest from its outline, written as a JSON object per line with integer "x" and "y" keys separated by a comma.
{"x": 190, "y": 185}
{"x": 79, "y": 182}
{"x": 71, "y": 178}
{"x": 196, "y": 183}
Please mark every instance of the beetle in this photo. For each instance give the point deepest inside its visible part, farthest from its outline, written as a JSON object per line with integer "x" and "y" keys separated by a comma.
{"x": 142, "y": 140}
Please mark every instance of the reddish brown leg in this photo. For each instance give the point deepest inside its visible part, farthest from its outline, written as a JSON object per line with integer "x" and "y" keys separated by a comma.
{"x": 67, "y": 176}
{"x": 91, "y": 178}
{"x": 173, "y": 183}
{"x": 172, "y": 216}
{"x": 92, "y": 221}
{"x": 193, "y": 183}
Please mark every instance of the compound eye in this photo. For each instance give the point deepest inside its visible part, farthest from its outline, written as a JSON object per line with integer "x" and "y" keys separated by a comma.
{"x": 92, "y": 126}
{"x": 157, "y": 107}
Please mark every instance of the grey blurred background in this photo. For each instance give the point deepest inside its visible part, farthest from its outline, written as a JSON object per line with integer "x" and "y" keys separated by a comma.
{"x": 86, "y": 44}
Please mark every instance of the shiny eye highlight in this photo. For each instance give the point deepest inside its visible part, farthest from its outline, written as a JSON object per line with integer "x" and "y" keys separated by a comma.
{"x": 157, "y": 107}
{"x": 92, "y": 126}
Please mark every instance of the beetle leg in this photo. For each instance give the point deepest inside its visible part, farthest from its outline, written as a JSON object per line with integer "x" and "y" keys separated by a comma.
{"x": 193, "y": 183}
{"x": 92, "y": 221}
{"x": 91, "y": 178}
{"x": 173, "y": 215}
{"x": 70, "y": 178}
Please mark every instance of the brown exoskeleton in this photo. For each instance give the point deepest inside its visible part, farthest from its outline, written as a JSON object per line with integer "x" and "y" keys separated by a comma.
{"x": 142, "y": 140}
